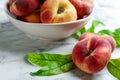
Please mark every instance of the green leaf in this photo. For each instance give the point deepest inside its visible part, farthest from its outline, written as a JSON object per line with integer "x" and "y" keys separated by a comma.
{"x": 43, "y": 59}
{"x": 117, "y": 36}
{"x": 106, "y": 32}
{"x": 55, "y": 68}
{"x": 78, "y": 33}
{"x": 51, "y": 63}
{"x": 114, "y": 67}
{"x": 117, "y": 39}
{"x": 95, "y": 23}
{"x": 117, "y": 31}
{"x": 82, "y": 30}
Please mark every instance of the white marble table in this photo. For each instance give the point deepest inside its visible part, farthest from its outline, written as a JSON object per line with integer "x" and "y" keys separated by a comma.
{"x": 14, "y": 45}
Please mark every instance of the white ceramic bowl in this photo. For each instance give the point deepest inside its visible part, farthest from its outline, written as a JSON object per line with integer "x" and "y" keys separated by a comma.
{"x": 54, "y": 31}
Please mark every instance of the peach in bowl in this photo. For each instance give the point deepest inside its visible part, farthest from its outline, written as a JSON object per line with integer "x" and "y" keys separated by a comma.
{"x": 48, "y": 20}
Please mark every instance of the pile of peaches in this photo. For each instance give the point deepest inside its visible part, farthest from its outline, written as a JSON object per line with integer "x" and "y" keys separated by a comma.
{"x": 50, "y": 11}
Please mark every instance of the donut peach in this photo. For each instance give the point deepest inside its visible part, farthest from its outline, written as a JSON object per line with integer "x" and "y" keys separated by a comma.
{"x": 92, "y": 52}
{"x": 57, "y": 11}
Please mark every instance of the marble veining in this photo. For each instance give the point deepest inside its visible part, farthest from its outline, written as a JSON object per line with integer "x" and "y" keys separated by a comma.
{"x": 14, "y": 44}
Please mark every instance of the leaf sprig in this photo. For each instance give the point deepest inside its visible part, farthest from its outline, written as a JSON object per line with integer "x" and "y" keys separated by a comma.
{"x": 114, "y": 67}
{"x": 51, "y": 64}
{"x": 95, "y": 23}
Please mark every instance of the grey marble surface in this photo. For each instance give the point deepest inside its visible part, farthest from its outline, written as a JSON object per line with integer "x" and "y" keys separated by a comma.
{"x": 14, "y": 45}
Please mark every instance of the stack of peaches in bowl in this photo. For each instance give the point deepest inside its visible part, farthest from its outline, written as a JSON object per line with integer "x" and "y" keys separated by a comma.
{"x": 49, "y": 19}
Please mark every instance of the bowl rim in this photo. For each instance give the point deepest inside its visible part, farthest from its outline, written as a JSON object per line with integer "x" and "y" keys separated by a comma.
{"x": 64, "y": 23}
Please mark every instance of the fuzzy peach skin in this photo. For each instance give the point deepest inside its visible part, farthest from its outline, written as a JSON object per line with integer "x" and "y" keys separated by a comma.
{"x": 57, "y": 11}
{"x": 23, "y": 7}
{"x": 83, "y": 7}
{"x": 92, "y": 52}
{"x": 111, "y": 40}
{"x": 96, "y": 36}
{"x": 33, "y": 17}
{"x": 10, "y": 2}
